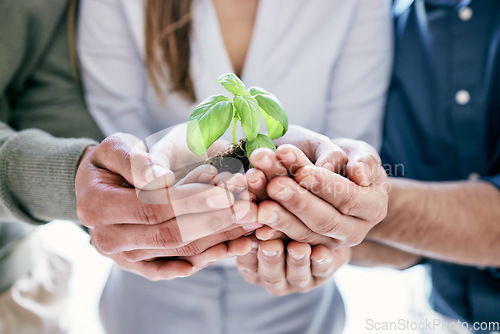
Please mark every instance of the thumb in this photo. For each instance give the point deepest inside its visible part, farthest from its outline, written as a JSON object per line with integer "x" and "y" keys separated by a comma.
{"x": 126, "y": 155}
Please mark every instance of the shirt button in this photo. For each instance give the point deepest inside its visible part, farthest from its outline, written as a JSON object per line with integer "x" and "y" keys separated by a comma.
{"x": 473, "y": 177}
{"x": 465, "y": 14}
{"x": 462, "y": 97}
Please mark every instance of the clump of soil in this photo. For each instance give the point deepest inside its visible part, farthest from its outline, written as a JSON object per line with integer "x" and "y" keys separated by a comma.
{"x": 234, "y": 160}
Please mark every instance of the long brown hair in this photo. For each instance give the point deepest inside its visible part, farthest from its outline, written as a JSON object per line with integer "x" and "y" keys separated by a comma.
{"x": 167, "y": 29}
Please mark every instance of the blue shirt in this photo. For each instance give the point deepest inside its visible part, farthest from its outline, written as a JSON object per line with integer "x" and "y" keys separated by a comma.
{"x": 443, "y": 123}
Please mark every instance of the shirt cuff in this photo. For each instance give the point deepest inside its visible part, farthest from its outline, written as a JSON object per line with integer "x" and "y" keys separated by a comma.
{"x": 494, "y": 180}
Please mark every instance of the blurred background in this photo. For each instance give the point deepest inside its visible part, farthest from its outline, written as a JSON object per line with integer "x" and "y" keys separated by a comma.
{"x": 380, "y": 294}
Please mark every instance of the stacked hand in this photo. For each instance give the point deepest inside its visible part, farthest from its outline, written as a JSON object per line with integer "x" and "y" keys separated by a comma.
{"x": 158, "y": 221}
{"x": 147, "y": 222}
{"x": 314, "y": 206}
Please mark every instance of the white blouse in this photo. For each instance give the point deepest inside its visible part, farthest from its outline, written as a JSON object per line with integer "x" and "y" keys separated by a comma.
{"x": 327, "y": 61}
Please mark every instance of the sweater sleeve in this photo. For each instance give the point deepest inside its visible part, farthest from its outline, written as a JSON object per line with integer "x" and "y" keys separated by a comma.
{"x": 37, "y": 175}
{"x": 44, "y": 126}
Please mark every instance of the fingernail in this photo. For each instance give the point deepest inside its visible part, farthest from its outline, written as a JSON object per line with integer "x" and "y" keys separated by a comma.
{"x": 288, "y": 156}
{"x": 256, "y": 183}
{"x": 329, "y": 166}
{"x": 366, "y": 174}
{"x": 269, "y": 253}
{"x": 264, "y": 162}
{"x": 219, "y": 201}
{"x": 284, "y": 194}
{"x": 319, "y": 261}
{"x": 297, "y": 256}
{"x": 155, "y": 172}
{"x": 271, "y": 219}
{"x": 251, "y": 227}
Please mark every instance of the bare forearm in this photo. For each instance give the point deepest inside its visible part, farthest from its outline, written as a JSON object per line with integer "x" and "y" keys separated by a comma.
{"x": 451, "y": 221}
{"x": 373, "y": 254}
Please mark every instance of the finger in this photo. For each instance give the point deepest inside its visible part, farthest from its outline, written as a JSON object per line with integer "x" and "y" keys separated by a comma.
{"x": 265, "y": 160}
{"x": 367, "y": 203}
{"x": 190, "y": 249}
{"x": 235, "y": 183}
{"x": 257, "y": 182}
{"x": 248, "y": 264}
{"x": 102, "y": 202}
{"x": 271, "y": 266}
{"x": 318, "y": 148}
{"x": 239, "y": 247}
{"x": 168, "y": 236}
{"x": 364, "y": 163}
{"x": 268, "y": 233}
{"x": 325, "y": 262}
{"x": 171, "y": 144}
{"x": 156, "y": 270}
{"x": 209, "y": 256}
{"x": 298, "y": 266}
{"x": 292, "y": 158}
{"x": 331, "y": 157}
{"x": 279, "y": 219}
{"x": 201, "y": 174}
{"x": 126, "y": 155}
{"x": 318, "y": 215}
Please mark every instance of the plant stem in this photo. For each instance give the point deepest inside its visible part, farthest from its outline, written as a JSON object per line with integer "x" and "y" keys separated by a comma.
{"x": 234, "y": 130}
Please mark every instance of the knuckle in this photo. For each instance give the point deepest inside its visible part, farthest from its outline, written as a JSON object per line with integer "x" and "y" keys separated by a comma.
{"x": 350, "y": 203}
{"x": 148, "y": 213}
{"x": 308, "y": 237}
{"x": 298, "y": 204}
{"x": 271, "y": 281}
{"x": 299, "y": 282}
{"x": 337, "y": 157}
{"x": 355, "y": 239}
{"x": 164, "y": 237}
{"x": 328, "y": 225}
{"x": 189, "y": 250}
{"x": 380, "y": 214}
{"x": 86, "y": 211}
{"x": 104, "y": 244}
{"x": 86, "y": 216}
{"x": 109, "y": 143}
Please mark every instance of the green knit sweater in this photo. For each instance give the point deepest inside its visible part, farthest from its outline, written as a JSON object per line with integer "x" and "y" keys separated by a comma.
{"x": 44, "y": 126}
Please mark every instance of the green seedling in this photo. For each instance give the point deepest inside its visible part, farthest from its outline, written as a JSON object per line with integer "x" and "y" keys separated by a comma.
{"x": 212, "y": 117}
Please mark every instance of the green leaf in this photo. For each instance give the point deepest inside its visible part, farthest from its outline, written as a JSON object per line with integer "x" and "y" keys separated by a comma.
{"x": 232, "y": 83}
{"x": 259, "y": 141}
{"x": 208, "y": 122}
{"x": 273, "y": 112}
{"x": 248, "y": 111}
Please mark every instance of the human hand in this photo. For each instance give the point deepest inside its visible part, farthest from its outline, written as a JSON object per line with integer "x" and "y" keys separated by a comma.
{"x": 318, "y": 202}
{"x": 134, "y": 224}
{"x": 296, "y": 267}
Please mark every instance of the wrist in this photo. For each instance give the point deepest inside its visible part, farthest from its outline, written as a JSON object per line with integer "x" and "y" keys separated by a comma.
{"x": 400, "y": 210}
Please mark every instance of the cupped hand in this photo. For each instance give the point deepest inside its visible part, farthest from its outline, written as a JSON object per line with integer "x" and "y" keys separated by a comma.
{"x": 318, "y": 202}
{"x": 134, "y": 224}
{"x": 295, "y": 267}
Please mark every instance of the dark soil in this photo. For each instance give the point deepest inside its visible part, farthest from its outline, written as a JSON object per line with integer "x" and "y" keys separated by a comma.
{"x": 233, "y": 160}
